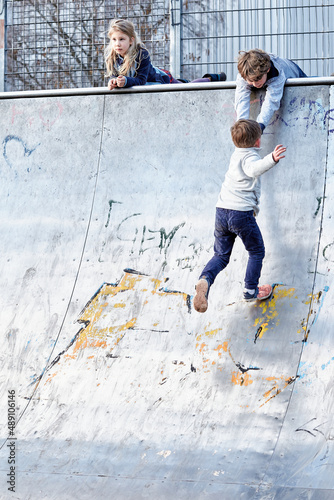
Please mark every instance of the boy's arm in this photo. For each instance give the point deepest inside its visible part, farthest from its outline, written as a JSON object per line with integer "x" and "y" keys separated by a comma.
{"x": 254, "y": 166}
{"x": 242, "y": 98}
{"x": 272, "y": 100}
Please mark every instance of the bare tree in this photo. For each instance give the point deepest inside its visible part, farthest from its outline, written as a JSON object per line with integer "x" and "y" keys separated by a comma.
{"x": 60, "y": 43}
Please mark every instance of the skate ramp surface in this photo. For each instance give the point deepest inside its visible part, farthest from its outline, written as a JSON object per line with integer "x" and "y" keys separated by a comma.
{"x": 120, "y": 389}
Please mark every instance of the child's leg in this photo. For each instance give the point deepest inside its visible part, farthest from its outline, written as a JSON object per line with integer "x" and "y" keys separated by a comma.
{"x": 252, "y": 239}
{"x": 224, "y": 241}
{"x": 223, "y": 245}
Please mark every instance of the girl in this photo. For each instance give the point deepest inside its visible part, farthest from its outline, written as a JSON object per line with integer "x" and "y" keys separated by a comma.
{"x": 128, "y": 62}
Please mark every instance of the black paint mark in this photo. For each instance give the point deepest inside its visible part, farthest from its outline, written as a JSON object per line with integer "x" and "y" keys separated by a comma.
{"x": 315, "y": 429}
{"x": 325, "y": 250}
{"x": 319, "y": 200}
{"x": 136, "y": 230}
{"x": 188, "y": 299}
{"x": 291, "y": 380}
{"x": 111, "y": 202}
{"x": 85, "y": 324}
{"x": 258, "y": 333}
{"x": 133, "y": 271}
{"x": 165, "y": 238}
{"x": 57, "y": 358}
{"x": 193, "y": 369}
{"x": 243, "y": 369}
{"x": 147, "y": 330}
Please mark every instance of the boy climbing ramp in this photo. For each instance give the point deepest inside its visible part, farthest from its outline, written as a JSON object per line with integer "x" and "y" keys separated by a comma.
{"x": 237, "y": 206}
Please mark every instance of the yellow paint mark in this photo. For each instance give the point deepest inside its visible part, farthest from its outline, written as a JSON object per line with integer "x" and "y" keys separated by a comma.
{"x": 119, "y": 305}
{"x": 242, "y": 379}
{"x": 203, "y": 345}
{"x": 50, "y": 377}
{"x": 212, "y": 333}
{"x": 221, "y": 347}
{"x": 269, "y": 311}
{"x": 275, "y": 390}
{"x": 68, "y": 356}
{"x": 264, "y": 328}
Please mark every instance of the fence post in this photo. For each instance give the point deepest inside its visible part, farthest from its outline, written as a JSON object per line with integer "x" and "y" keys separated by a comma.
{"x": 2, "y": 45}
{"x": 175, "y": 37}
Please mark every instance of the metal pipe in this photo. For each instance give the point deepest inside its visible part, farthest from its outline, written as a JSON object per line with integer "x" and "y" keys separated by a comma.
{"x": 147, "y": 89}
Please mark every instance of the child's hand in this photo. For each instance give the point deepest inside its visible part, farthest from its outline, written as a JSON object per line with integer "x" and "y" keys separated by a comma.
{"x": 112, "y": 84}
{"x": 121, "y": 81}
{"x": 278, "y": 153}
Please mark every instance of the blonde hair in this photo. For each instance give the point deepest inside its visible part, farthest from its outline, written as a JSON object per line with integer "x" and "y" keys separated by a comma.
{"x": 252, "y": 65}
{"x": 245, "y": 133}
{"x": 110, "y": 55}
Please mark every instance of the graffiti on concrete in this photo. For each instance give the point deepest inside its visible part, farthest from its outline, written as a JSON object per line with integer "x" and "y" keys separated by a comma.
{"x": 141, "y": 305}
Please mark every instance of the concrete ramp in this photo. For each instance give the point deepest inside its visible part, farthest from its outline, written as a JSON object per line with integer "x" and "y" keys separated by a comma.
{"x": 118, "y": 388}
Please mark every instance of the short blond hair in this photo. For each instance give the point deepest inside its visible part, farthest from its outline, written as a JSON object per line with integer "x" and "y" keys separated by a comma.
{"x": 252, "y": 65}
{"x": 245, "y": 133}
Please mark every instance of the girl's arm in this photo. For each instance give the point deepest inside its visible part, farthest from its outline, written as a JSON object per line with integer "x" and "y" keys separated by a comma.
{"x": 144, "y": 62}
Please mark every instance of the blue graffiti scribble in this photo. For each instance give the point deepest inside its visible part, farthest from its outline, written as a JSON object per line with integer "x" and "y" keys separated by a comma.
{"x": 329, "y": 117}
{"x": 302, "y": 369}
{"x": 323, "y": 367}
{"x": 27, "y": 151}
{"x": 312, "y": 112}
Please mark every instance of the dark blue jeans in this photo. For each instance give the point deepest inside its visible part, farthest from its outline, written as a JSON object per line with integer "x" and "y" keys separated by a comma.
{"x": 230, "y": 224}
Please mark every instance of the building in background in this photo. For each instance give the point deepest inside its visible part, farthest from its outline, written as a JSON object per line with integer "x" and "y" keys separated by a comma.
{"x": 60, "y": 43}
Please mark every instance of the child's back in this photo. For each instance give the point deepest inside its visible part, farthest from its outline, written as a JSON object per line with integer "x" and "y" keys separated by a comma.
{"x": 241, "y": 188}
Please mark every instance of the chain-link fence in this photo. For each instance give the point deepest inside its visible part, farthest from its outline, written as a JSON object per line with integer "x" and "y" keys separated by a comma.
{"x": 213, "y": 31}
{"x": 60, "y": 43}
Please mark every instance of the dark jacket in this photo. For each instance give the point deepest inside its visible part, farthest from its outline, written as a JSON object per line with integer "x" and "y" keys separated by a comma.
{"x": 144, "y": 71}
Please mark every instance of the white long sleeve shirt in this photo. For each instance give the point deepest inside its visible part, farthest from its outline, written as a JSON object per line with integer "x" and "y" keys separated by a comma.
{"x": 274, "y": 90}
{"x": 241, "y": 188}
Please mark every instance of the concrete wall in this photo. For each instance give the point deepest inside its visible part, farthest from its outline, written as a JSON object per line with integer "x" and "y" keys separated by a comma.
{"x": 122, "y": 390}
